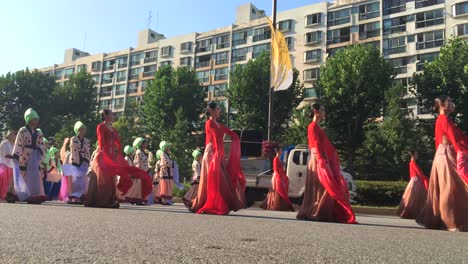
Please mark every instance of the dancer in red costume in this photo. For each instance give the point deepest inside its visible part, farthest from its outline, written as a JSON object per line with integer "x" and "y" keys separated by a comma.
{"x": 414, "y": 198}
{"x": 222, "y": 184}
{"x": 277, "y": 198}
{"x": 447, "y": 197}
{"x": 326, "y": 196}
{"x": 108, "y": 163}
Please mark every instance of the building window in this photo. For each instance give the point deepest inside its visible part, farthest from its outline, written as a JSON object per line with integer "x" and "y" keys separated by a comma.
{"x": 203, "y": 76}
{"x": 259, "y": 49}
{"x": 218, "y": 90}
{"x": 309, "y": 93}
{"x": 186, "y": 46}
{"x": 239, "y": 38}
{"x": 424, "y": 3}
{"x": 222, "y": 42}
{"x": 135, "y": 73}
{"x": 105, "y": 104}
{"x": 107, "y": 78}
{"x": 260, "y": 34}
{"x": 394, "y": 25}
{"x": 400, "y": 65}
{"x": 151, "y": 56}
{"x": 81, "y": 67}
{"x": 394, "y": 45}
{"x": 109, "y": 65}
{"x": 221, "y": 74}
{"x": 313, "y": 56}
{"x": 393, "y": 6}
{"x": 69, "y": 72}
{"x": 166, "y": 51}
{"x": 203, "y": 45}
{"x": 132, "y": 87}
{"x": 285, "y": 25}
{"x": 339, "y": 17}
{"x": 222, "y": 58}
{"x": 370, "y": 30}
{"x": 289, "y": 42}
{"x": 96, "y": 66}
{"x": 429, "y": 39}
{"x": 425, "y": 58}
{"x": 373, "y": 44}
{"x": 97, "y": 79}
{"x": 333, "y": 51}
{"x": 311, "y": 74}
{"x": 313, "y": 19}
{"x": 239, "y": 54}
{"x": 148, "y": 71}
{"x": 460, "y": 9}
{"x": 135, "y": 59}
{"x": 340, "y": 35}
{"x": 313, "y": 38}
{"x": 369, "y": 11}
{"x": 430, "y": 18}
{"x": 460, "y": 30}
{"x": 121, "y": 76}
{"x": 118, "y": 104}
{"x": 119, "y": 90}
{"x": 122, "y": 62}
{"x": 203, "y": 61}
{"x": 165, "y": 63}
{"x": 187, "y": 61}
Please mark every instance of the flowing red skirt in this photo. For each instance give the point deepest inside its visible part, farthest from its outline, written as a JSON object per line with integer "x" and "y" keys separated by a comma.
{"x": 6, "y": 175}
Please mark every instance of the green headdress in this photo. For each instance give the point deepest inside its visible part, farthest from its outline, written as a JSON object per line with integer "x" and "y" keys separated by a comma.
{"x": 164, "y": 145}
{"x": 78, "y": 126}
{"x": 128, "y": 150}
{"x": 196, "y": 153}
{"x": 29, "y": 115}
{"x": 138, "y": 142}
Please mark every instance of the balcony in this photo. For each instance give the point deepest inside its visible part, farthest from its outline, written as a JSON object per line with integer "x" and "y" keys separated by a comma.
{"x": 222, "y": 61}
{"x": 134, "y": 77}
{"x": 401, "y": 69}
{"x": 202, "y": 64}
{"x": 221, "y": 77}
{"x": 122, "y": 65}
{"x": 339, "y": 39}
{"x": 239, "y": 58}
{"x": 119, "y": 93}
{"x": 369, "y": 15}
{"x": 149, "y": 60}
{"x": 148, "y": 74}
{"x": 132, "y": 90}
{"x": 310, "y": 93}
{"x": 369, "y": 34}
{"x": 121, "y": 79}
{"x": 395, "y": 50}
{"x": 107, "y": 81}
{"x": 395, "y": 29}
{"x": 66, "y": 76}
{"x": 106, "y": 94}
{"x": 108, "y": 68}
{"x": 222, "y": 45}
{"x": 203, "y": 49}
{"x": 118, "y": 107}
{"x": 133, "y": 63}
{"x": 219, "y": 93}
{"x": 429, "y": 44}
{"x": 239, "y": 42}
{"x": 262, "y": 37}
{"x": 96, "y": 69}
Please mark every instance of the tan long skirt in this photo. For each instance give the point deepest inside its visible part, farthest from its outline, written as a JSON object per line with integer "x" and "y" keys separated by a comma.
{"x": 317, "y": 204}
{"x": 447, "y": 197}
{"x": 413, "y": 199}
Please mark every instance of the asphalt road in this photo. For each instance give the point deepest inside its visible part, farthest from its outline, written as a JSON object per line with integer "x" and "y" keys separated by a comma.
{"x": 60, "y": 233}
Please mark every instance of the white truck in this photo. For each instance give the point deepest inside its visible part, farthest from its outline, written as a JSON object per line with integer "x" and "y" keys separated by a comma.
{"x": 258, "y": 175}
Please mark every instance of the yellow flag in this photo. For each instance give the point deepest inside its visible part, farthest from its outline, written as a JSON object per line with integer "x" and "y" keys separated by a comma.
{"x": 281, "y": 67}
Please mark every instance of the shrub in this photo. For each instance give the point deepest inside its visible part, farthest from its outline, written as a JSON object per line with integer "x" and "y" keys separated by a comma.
{"x": 380, "y": 192}
{"x": 180, "y": 193}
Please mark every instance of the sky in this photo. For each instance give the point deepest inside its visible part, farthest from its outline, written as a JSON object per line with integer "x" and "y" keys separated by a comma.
{"x": 35, "y": 34}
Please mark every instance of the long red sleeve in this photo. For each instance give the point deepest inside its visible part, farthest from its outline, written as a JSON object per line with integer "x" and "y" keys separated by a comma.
{"x": 446, "y": 127}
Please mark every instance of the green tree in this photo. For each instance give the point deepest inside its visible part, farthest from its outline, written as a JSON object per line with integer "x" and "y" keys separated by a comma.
{"x": 172, "y": 106}
{"x": 384, "y": 154}
{"x": 447, "y": 75}
{"x": 352, "y": 87}
{"x": 22, "y": 90}
{"x": 248, "y": 93}
{"x": 296, "y": 131}
{"x": 129, "y": 124}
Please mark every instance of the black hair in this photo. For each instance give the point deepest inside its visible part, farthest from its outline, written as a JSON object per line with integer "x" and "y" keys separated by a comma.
{"x": 438, "y": 102}
{"x": 412, "y": 152}
{"x": 316, "y": 107}
{"x": 212, "y": 106}
{"x": 104, "y": 113}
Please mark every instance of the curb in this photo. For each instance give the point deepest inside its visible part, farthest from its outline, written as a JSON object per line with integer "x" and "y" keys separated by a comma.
{"x": 375, "y": 211}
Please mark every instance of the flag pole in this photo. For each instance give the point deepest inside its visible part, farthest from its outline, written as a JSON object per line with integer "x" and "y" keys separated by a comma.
{"x": 270, "y": 91}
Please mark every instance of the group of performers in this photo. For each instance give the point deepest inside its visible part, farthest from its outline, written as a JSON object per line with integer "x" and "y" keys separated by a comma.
{"x": 106, "y": 177}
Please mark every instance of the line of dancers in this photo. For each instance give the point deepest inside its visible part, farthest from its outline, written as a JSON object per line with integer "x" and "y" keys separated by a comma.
{"x": 106, "y": 177}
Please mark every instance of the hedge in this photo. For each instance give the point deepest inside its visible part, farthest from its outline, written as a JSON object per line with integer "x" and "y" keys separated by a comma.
{"x": 380, "y": 193}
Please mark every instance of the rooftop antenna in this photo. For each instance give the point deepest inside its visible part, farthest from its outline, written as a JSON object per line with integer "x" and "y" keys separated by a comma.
{"x": 149, "y": 19}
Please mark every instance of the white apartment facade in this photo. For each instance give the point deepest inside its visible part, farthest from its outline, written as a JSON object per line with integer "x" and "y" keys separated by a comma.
{"x": 408, "y": 32}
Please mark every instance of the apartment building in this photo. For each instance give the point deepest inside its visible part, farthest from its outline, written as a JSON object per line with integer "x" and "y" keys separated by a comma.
{"x": 408, "y": 32}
